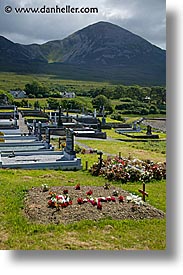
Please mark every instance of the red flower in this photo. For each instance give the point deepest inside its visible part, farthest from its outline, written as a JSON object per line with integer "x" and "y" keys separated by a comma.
{"x": 51, "y": 203}
{"x": 93, "y": 203}
{"x": 99, "y": 206}
{"x": 108, "y": 198}
{"x": 65, "y": 191}
{"x": 121, "y": 199}
{"x": 113, "y": 199}
{"x": 77, "y": 187}
{"x": 90, "y": 192}
{"x": 64, "y": 204}
{"x": 102, "y": 199}
{"x": 80, "y": 201}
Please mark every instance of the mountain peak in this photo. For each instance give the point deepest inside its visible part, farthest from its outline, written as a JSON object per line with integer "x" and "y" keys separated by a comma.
{"x": 100, "y": 46}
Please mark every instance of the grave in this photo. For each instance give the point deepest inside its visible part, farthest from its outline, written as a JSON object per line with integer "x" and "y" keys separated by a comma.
{"x": 126, "y": 128}
{"x": 39, "y": 154}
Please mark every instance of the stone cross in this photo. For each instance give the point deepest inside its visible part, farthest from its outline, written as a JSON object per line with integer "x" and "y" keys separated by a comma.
{"x": 143, "y": 192}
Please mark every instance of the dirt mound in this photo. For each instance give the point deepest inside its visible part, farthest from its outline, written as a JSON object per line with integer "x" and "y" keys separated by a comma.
{"x": 37, "y": 209}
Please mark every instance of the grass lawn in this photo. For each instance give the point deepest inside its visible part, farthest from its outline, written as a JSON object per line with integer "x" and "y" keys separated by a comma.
{"x": 10, "y": 81}
{"x": 135, "y": 150}
{"x": 18, "y": 233}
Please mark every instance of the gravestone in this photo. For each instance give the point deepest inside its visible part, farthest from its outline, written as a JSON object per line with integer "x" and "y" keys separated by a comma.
{"x": 95, "y": 113}
{"x": 47, "y": 135}
{"x": 99, "y": 126}
{"x": 103, "y": 116}
{"x": 39, "y": 130}
{"x": 69, "y": 152}
{"x": 149, "y": 130}
{"x": 135, "y": 126}
{"x": 34, "y": 127}
{"x": 15, "y": 123}
{"x": 59, "y": 117}
{"x": 103, "y": 121}
{"x": 55, "y": 118}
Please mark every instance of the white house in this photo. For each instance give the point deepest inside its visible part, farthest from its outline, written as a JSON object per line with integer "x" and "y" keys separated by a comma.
{"x": 18, "y": 94}
{"x": 68, "y": 94}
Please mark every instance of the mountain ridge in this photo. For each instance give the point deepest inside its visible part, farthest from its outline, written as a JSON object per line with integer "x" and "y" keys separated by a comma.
{"x": 99, "y": 46}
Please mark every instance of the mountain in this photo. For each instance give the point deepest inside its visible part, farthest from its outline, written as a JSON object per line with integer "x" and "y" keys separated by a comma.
{"x": 102, "y": 51}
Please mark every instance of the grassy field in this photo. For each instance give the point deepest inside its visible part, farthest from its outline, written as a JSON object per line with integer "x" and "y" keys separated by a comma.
{"x": 141, "y": 150}
{"x": 10, "y": 81}
{"x": 18, "y": 233}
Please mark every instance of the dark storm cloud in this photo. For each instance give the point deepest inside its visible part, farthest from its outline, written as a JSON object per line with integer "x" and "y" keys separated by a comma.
{"x": 143, "y": 17}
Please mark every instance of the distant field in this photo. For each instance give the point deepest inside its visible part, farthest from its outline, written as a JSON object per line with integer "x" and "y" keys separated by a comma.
{"x": 10, "y": 81}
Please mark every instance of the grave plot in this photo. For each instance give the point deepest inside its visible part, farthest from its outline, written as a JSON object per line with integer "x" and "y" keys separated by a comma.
{"x": 68, "y": 204}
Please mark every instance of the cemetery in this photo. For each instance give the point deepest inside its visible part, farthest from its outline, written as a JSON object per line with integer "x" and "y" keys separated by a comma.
{"x": 24, "y": 148}
{"x": 114, "y": 190}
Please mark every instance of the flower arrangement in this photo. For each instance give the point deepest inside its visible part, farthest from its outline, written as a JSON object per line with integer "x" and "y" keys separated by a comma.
{"x": 63, "y": 200}
{"x": 95, "y": 201}
{"x": 59, "y": 200}
{"x": 129, "y": 170}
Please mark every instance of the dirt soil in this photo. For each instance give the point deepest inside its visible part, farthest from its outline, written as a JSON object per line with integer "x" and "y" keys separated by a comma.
{"x": 156, "y": 124}
{"x": 36, "y": 206}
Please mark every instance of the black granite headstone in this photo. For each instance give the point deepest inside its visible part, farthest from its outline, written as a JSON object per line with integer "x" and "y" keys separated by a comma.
{"x": 149, "y": 130}
{"x": 48, "y": 135}
{"x": 69, "y": 142}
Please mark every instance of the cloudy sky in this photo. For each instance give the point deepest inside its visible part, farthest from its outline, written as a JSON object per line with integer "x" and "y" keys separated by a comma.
{"x": 146, "y": 18}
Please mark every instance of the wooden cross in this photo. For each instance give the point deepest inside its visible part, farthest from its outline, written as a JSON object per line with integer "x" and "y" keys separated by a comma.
{"x": 143, "y": 192}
